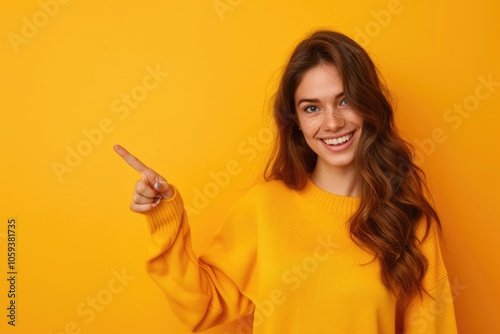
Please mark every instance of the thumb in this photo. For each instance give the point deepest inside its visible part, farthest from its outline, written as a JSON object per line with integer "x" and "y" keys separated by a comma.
{"x": 164, "y": 188}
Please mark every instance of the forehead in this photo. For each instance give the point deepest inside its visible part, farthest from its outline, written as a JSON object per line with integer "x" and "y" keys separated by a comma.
{"x": 322, "y": 81}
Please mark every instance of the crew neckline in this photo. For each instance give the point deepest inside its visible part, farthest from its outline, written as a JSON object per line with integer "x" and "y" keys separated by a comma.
{"x": 327, "y": 201}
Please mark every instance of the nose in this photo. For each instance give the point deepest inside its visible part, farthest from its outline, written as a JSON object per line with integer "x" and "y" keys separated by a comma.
{"x": 333, "y": 120}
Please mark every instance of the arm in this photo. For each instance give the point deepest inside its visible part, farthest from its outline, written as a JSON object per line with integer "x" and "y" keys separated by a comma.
{"x": 432, "y": 313}
{"x": 200, "y": 291}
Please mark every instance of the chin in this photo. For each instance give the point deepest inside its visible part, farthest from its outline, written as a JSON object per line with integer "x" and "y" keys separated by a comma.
{"x": 341, "y": 163}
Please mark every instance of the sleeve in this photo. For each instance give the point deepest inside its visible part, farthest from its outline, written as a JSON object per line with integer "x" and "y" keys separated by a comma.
{"x": 205, "y": 291}
{"x": 433, "y": 313}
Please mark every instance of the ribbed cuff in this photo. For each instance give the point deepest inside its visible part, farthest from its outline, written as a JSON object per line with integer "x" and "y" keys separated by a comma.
{"x": 165, "y": 219}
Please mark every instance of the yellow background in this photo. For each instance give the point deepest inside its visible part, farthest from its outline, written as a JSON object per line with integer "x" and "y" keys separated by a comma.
{"x": 68, "y": 75}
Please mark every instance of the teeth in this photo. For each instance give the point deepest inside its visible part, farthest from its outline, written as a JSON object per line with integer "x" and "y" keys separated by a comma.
{"x": 338, "y": 141}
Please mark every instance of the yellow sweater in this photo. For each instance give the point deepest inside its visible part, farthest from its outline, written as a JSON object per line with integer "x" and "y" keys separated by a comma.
{"x": 285, "y": 259}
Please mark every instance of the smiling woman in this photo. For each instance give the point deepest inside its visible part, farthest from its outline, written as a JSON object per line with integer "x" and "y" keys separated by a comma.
{"x": 331, "y": 128}
{"x": 338, "y": 238}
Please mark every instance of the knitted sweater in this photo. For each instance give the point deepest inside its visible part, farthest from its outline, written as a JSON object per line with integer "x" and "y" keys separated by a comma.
{"x": 283, "y": 262}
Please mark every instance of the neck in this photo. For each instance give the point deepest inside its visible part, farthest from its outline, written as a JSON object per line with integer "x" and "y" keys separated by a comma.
{"x": 342, "y": 181}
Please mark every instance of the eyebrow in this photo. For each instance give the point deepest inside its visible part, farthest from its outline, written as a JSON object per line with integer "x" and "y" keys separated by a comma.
{"x": 304, "y": 100}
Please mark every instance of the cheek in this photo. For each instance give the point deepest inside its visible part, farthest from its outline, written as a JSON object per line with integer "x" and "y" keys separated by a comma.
{"x": 309, "y": 126}
{"x": 354, "y": 118}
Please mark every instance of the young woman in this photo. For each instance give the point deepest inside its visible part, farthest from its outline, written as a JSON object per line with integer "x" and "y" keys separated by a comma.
{"x": 340, "y": 238}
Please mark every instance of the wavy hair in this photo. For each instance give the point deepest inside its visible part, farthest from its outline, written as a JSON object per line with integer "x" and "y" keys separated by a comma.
{"x": 393, "y": 188}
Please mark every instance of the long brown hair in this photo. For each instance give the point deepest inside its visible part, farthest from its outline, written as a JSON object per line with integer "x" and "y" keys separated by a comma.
{"x": 393, "y": 188}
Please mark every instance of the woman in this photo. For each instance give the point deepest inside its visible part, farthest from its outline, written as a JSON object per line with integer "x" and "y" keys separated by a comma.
{"x": 339, "y": 239}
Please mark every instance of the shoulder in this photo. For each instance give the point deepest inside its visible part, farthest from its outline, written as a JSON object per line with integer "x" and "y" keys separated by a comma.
{"x": 255, "y": 205}
{"x": 263, "y": 195}
{"x": 430, "y": 245}
{"x": 428, "y": 234}
{"x": 267, "y": 189}
{"x": 270, "y": 188}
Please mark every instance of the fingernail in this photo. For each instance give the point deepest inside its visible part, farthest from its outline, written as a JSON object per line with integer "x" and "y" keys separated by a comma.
{"x": 157, "y": 185}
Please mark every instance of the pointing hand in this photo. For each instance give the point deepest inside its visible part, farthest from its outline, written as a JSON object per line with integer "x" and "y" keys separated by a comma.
{"x": 150, "y": 189}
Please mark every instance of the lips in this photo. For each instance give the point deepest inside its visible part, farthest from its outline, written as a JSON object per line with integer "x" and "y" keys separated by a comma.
{"x": 338, "y": 140}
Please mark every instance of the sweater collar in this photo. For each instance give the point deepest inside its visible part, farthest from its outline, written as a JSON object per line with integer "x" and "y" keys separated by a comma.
{"x": 329, "y": 202}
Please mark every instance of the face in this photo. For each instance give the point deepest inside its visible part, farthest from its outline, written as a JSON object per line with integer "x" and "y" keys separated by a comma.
{"x": 330, "y": 126}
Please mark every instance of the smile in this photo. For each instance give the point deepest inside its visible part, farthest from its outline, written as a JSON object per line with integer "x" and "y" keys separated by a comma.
{"x": 338, "y": 140}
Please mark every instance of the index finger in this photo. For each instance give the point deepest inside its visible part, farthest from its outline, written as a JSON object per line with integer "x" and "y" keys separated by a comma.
{"x": 131, "y": 160}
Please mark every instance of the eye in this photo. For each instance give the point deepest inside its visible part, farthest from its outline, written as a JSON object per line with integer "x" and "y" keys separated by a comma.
{"x": 311, "y": 109}
{"x": 343, "y": 102}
